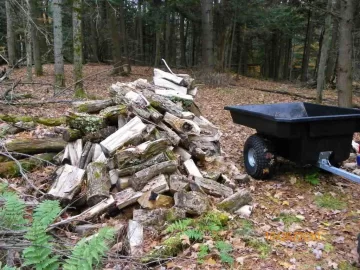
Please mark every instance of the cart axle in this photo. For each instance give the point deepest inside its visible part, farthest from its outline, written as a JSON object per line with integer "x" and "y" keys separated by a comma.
{"x": 324, "y": 163}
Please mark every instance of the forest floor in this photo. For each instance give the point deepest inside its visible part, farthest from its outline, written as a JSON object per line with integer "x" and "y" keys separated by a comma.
{"x": 289, "y": 201}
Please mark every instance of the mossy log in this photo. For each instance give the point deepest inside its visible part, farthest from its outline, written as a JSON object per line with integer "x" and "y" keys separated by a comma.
{"x": 85, "y": 122}
{"x": 235, "y": 201}
{"x": 111, "y": 113}
{"x": 98, "y": 136}
{"x": 6, "y": 129}
{"x": 70, "y": 135}
{"x": 91, "y": 106}
{"x": 11, "y": 169}
{"x": 155, "y": 116}
{"x": 182, "y": 126}
{"x": 141, "y": 153}
{"x": 57, "y": 121}
{"x": 98, "y": 183}
{"x": 35, "y": 146}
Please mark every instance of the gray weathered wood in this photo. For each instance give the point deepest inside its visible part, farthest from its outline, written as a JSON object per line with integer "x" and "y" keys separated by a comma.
{"x": 91, "y": 106}
{"x": 127, "y": 197}
{"x": 98, "y": 183}
{"x": 85, "y": 122}
{"x": 168, "y": 76}
{"x": 158, "y": 185}
{"x": 178, "y": 183}
{"x": 235, "y": 201}
{"x": 182, "y": 126}
{"x": 75, "y": 150}
{"x": 135, "y": 236}
{"x": 213, "y": 188}
{"x": 173, "y": 137}
{"x": 191, "y": 168}
{"x": 86, "y": 151}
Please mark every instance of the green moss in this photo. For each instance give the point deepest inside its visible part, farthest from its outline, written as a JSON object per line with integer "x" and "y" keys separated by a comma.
{"x": 59, "y": 80}
{"x": 227, "y": 205}
{"x": 83, "y": 108}
{"x": 155, "y": 104}
{"x": 330, "y": 202}
{"x": 97, "y": 175}
{"x": 170, "y": 155}
{"x": 80, "y": 93}
{"x": 51, "y": 121}
{"x": 261, "y": 246}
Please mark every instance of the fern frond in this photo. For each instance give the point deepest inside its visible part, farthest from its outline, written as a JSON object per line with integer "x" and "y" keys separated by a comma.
{"x": 179, "y": 225}
{"x": 225, "y": 249}
{"x": 194, "y": 234}
{"x": 86, "y": 253}
{"x": 13, "y": 211}
{"x": 46, "y": 212}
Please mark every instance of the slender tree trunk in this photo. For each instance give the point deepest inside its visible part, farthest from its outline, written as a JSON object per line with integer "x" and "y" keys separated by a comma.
{"x": 344, "y": 68}
{"x": 94, "y": 40}
{"x": 115, "y": 40}
{"x": 321, "y": 40}
{"x": 77, "y": 47}
{"x": 58, "y": 43}
{"x": 287, "y": 58}
{"x": 307, "y": 45}
{"x": 207, "y": 34}
{"x": 182, "y": 42}
{"x": 28, "y": 45}
{"x": 10, "y": 33}
{"x": 124, "y": 35}
{"x": 240, "y": 51}
{"x": 34, "y": 13}
{"x": 167, "y": 31}
{"x": 324, "y": 54}
{"x": 157, "y": 47}
{"x": 232, "y": 45}
{"x": 140, "y": 31}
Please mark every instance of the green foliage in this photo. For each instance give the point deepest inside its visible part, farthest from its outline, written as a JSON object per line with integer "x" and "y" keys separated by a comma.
{"x": 330, "y": 202}
{"x": 7, "y": 267}
{"x": 261, "y": 246}
{"x": 179, "y": 225}
{"x": 203, "y": 252}
{"x": 87, "y": 253}
{"x": 194, "y": 234}
{"x": 225, "y": 249}
{"x": 312, "y": 179}
{"x": 40, "y": 251}
{"x": 246, "y": 228}
{"x": 288, "y": 219}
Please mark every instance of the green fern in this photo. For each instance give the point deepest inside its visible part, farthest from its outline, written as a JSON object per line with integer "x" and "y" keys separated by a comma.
{"x": 86, "y": 253}
{"x": 12, "y": 213}
{"x": 39, "y": 253}
{"x": 179, "y": 225}
{"x": 194, "y": 234}
{"x": 224, "y": 249}
{"x": 203, "y": 252}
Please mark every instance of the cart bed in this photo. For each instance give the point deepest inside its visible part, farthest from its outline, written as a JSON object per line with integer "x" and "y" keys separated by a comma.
{"x": 300, "y": 131}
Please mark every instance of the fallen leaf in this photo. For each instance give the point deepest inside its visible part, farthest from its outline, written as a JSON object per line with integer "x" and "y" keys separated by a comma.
{"x": 170, "y": 265}
{"x": 293, "y": 180}
{"x": 210, "y": 261}
{"x": 285, "y": 203}
{"x": 185, "y": 240}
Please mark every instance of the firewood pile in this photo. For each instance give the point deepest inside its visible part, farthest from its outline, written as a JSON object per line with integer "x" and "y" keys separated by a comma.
{"x": 146, "y": 146}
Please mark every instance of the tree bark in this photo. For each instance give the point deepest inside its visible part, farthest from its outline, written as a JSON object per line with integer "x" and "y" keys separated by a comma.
{"x": 182, "y": 42}
{"x": 77, "y": 47}
{"x": 124, "y": 35}
{"x": 10, "y": 33}
{"x": 58, "y": 43}
{"x": 324, "y": 54}
{"x": 28, "y": 45}
{"x": 207, "y": 34}
{"x": 35, "y": 38}
{"x": 98, "y": 183}
{"x": 287, "y": 60}
{"x": 307, "y": 45}
{"x": 35, "y": 146}
{"x": 344, "y": 72}
{"x": 115, "y": 40}
{"x": 140, "y": 35}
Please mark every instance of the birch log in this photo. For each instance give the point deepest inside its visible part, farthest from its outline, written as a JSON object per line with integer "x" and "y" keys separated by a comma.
{"x": 98, "y": 183}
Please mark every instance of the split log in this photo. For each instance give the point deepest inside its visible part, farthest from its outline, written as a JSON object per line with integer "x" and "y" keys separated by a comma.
{"x": 135, "y": 236}
{"x": 66, "y": 156}
{"x": 158, "y": 185}
{"x": 213, "y": 188}
{"x": 127, "y": 197}
{"x": 136, "y": 98}
{"x": 85, "y": 122}
{"x": 163, "y": 104}
{"x": 193, "y": 92}
{"x": 123, "y": 183}
{"x": 70, "y": 135}
{"x": 191, "y": 168}
{"x": 202, "y": 149}
{"x": 185, "y": 155}
{"x": 158, "y": 73}
{"x": 235, "y": 201}
{"x": 195, "y": 109}
{"x": 85, "y": 229}
{"x": 35, "y": 146}
{"x": 194, "y": 203}
{"x": 90, "y": 155}
{"x": 101, "y": 158}
{"x": 11, "y": 169}
{"x": 59, "y": 157}
{"x": 114, "y": 177}
{"x": 121, "y": 121}
{"x": 209, "y": 132}
{"x": 111, "y": 113}
{"x": 97, "y": 151}
{"x": 155, "y": 116}
{"x": 141, "y": 153}
{"x": 92, "y": 106}
{"x": 75, "y": 150}
{"x": 173, "y": 137}
{"x": 178, "y": 183}
{"x": 142, "y": 113}
{"x": 174, "y": 94}
{"x": 118, "y": 139}
{"x": 67, "y": 183}
{"x": 98, "y": 183}
{"x": 100, "y": 135}
{"x": 188, "y": 81}
{"x": 165, "y": 84}
{"x": 141, "y": 178}
{"x": 83, "y": 158}
{"x": 182, "y": 126}
{"x": 152, "y": 161}
{"x": 188, "y": 115}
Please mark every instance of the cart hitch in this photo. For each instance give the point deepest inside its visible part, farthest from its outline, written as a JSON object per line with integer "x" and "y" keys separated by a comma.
{"x": 324, "y": 163}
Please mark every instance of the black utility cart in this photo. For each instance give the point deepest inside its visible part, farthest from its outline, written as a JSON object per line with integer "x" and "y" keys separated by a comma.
{"x": 302, "y": 132}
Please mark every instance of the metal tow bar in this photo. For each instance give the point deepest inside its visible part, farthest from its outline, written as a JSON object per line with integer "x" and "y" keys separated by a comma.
{"x": 324, "y": 163}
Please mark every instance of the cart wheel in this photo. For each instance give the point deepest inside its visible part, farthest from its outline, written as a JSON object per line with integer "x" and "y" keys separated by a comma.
{"x": 258, "y": 157}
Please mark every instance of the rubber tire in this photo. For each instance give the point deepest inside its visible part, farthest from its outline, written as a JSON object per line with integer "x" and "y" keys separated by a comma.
{"x": 263, "y": 155}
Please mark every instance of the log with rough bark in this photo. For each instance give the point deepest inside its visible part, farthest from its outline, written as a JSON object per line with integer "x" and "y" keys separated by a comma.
{"x": 158, "y": 73}
{"x": 174, "y": 94}
{"x": 35, "y": 146}
{"x": 155, "y": 116}
{"x": 173, "y": 137}
{"x": 151, "y": 161}
{"x": 85, "y": 122}
{"x": 67, "y": 184}
{"x": 40, "y": 120}
{"x": 6, "y": 129}
{"x": 98, "y": 183}
{"x": 118, "y": 139}
{"x": 141, "y": 112}
{"x": 140, "y": 153}
{"x": 85, "y": 152}
{"x": 188, "y": 81}
{"x": 185, "y": 155}
{"x": 137, "y": 98}
{"x": 141, "y": 178}
{"x": 202, "y": 149}
{"x": 158, "y": 185}
{"x": 127, "y": 197}
{"x": 100, "y": 135}
{"x": 235, "y": 201}
{"x": 111, "y": 113}
{"x": 92, "y": 106}
{"x": 182, "y": 126}
{"x": 75, "y": 150}
{"x": 70, "y": 135}
{"x": 213, "y": 188}
{"x": 11, "y": 169}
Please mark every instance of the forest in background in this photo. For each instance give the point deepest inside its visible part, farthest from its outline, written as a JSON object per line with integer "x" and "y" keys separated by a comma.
{"x": 314, "y": 41}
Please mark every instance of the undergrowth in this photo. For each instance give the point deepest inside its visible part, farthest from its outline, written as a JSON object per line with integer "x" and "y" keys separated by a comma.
{"x": 40, "y": 254}
{"x": 330, "y": 202}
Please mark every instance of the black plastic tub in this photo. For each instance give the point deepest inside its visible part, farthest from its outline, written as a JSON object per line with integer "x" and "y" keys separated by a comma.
{"x": 300, "y": 131}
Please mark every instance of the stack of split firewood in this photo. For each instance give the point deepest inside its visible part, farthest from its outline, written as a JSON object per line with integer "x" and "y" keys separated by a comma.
{"x": 142, "y": 146}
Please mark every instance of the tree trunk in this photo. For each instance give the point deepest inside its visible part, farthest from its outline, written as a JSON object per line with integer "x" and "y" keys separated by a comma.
{"x": 77, "y": 46}
{"x": 35, "y": 146}
{"x": 94, "y": 40}
{"x": 207, "y": 34}
{"x": 324, "y": 54}
{"x": 140, "y": 31}
{"x": 34, "y": 13}
{"x": 28, "y": 46}
{"x": 307, "y": 45}
{"x": 286, "y": 69}
{"x": 182, "y": 42}
{"x": 231, "y": 46}
{"x": 58, "y": 43}
{"x": 124, "y": 35}
{"x": 157, "y": 47}
{"x": 98, "y": 183}
{"x": 321, "y": 40}
{"x": 10, "y": 33}
{"x": 115, "y": 39}
{"x": 167, "y": 31}
{"x": 344, "y": 69}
